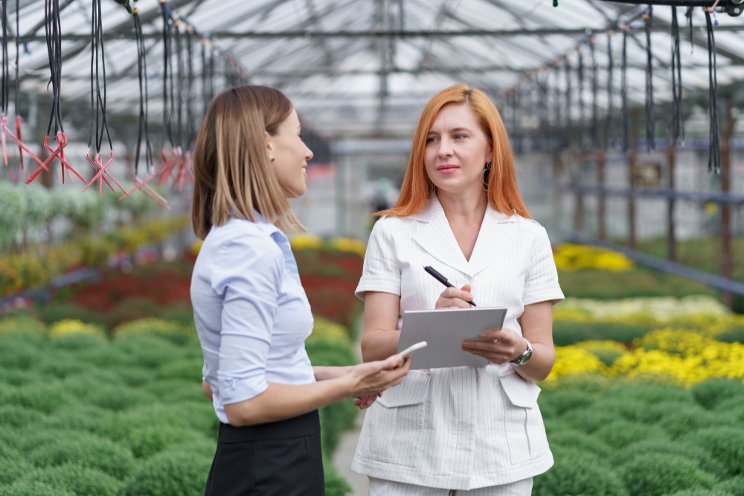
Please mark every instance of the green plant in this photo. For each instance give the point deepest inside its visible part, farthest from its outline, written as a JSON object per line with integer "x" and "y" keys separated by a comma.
{"x": 579, "y": 473}
{"x": 75, "y": 479}
{"x": 44, "y": 398}
{"x": 581, "y": 441}
{"x": 560, "y": 401}
{"x": 733, "y": 334}
{"x": 656, "y": 474}
{"x": 335, "y": 485}
{"x": 589, "y": 419}
{"x": 12, "y": 469}
{"x": 84, "y": 450}
{"x": 713, "y": 391}
{"x": 621, "y": 433}
{"x": 169, "y": 473}
{"x": 28, "y": 487}
{"x": 689, "y": 419}
{"x": 151, "y": 326}
{"x": 734, "y": 485}
{"x": 702, "y": 458}
{"x": 726, "y": 444}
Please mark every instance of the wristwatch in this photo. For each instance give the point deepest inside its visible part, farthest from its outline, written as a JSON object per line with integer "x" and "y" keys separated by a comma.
{"x": 524, "y": 357}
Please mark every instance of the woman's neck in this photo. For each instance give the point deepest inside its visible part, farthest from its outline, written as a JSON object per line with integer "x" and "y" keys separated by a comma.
{"x": 466, "y": 208}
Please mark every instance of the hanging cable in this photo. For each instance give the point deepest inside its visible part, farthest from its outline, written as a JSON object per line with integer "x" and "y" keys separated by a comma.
{"x": 714, "y": 153}
{"x": 17, "y": 84}
{"x": 53, "y": 32}
{"x": 98, "y": 122}
{"x": 650, "y": 113}
{"x": 190, "y": 113}
{"x": 677, "y": 117}
{"x": 569, "y": 108}
{"x": 580, "y": 95}
{"x": 4, "y": 73}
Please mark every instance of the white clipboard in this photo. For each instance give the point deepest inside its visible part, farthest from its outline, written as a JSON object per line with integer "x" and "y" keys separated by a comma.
{"x": 444, "y": 330}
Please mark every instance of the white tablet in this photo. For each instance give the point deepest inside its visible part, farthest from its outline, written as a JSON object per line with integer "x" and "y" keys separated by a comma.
{"x": 444, "y": 330}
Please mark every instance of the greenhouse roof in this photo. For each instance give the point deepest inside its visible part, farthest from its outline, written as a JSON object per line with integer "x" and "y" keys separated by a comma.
{"x": 364, "y": 68}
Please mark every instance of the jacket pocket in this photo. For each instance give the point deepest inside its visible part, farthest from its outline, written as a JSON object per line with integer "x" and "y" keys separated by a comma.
{"x": 411, "y": 391}
{"x": 394, "y": 425}
{"x": 525, "y": 431}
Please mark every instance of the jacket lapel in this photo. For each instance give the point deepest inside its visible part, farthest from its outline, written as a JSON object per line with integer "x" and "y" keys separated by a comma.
{"x": 495, "y": 240}
{"x": 436, "y": 237}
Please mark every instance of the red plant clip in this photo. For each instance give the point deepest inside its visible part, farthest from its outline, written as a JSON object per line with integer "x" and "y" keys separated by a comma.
{"x": 141, "y": 185}
{"x": 179, "y": 168}
{"x": 59, "y": 154}
{"x": 102, "y": 175}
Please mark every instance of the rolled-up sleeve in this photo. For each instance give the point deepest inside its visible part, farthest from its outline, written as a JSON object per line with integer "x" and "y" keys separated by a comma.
{"x": 381, "y": 271}
{"x": 248, "y": 278}
{"x": 542, "y": 276}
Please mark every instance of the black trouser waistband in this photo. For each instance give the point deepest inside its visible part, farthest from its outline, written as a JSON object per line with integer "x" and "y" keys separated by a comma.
{"x": 304, "y": 425}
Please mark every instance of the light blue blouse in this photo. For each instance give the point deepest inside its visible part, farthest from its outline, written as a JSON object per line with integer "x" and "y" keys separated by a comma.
{"x": 251, "y": 312}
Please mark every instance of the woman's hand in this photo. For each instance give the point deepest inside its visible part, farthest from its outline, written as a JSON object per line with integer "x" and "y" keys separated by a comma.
{"x": 375, "y": 377}
{"x": 453, "y": 297}
{"x": 365, "y": 400}
{"x": 497, "y": 346}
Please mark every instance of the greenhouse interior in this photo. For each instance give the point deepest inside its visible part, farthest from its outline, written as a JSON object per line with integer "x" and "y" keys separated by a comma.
{"x": 625, "y": 120}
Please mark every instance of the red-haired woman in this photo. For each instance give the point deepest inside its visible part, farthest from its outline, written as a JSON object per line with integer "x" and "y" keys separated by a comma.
{"x": 477, "y": 431}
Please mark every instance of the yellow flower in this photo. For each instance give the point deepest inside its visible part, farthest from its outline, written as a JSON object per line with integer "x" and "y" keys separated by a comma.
{"x": 574, "y": 360}
{"x": 67, "y": 327}
{"x": 576, "y": 257}
{"x": 349, "y": 245}
{"x": 305, "y": 242}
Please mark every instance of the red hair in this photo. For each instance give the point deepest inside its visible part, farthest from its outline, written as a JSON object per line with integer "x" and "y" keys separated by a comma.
{"x": 503, "y": 193}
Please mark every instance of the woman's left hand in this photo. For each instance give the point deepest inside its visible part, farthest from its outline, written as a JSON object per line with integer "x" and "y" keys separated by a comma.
{"x": 365, "y": 400}
{"x": 497, "y": 346}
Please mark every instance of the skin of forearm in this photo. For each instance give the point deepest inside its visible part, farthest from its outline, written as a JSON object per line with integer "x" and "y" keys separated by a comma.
{"x": 379, "y": 344}
{"x": 283, "y": 401}
{"x": 540, "y": 365}
{"x": 325, "y": 373}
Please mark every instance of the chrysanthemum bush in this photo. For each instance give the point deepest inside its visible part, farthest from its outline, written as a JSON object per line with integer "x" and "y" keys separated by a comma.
{"x": 571, "y": 257}
{"x": 84, "y": 414}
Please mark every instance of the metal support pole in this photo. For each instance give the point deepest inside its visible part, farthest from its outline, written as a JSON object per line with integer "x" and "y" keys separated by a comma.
{"x": 727, "y": 259}
{"x": 602, "y": 200}
{"x": 632, "y": 165}
{"x": 671, "y": 225}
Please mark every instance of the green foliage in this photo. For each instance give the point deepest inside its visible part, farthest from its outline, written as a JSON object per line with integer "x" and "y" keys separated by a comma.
{"x": 702, "y": 492}
{"x": 84, "y": 450}
{"x": 572, "y": 332}
{"x": 324, "y": 352}
{"x": 621, "y": 433}
{"x": 578, "y": 473}
{"x": 176, "y": 390}
{"x": 702, "y": 458}
{"x": 733, "y": 335}
{"x": 147, "y": 351}
{"x": 28, "y": 487}
{"x": 24, "y": 325}
{"x": 146, "y": 441}
{"x": 168, "y": 474}
{"x": 656, "y": 474}
{"x": 116, "y": 398}
{"x": 334, "y": 420}
{"x": 75, "y": 479}
{"x": 12, "y": 208}
{"x": 734, "y": 485}
{"x": 579, "y": 440}
{"x": 12, "y": 468}
{"x": 81, "y": 417}
{"x": 689, "y": 419}
{"x": 733, "y": 407}
{"x": 17, "y": 417}
{"x": 713, "y": 391}
{"x": 335, "y": 485}
{"x": 150, "y": 326}
{"x": 561, "y": 401}
{"x": 185, "y": 369}
{"x": 44, "y": 398}
{"x": 624, "y": 408}
{"x": 726, "y": 444}
{"x": 79, "y": 341}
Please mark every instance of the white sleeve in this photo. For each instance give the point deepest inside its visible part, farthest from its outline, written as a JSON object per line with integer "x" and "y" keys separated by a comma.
{"x": 542, "y": 277}
{"x": 381, "y": 271}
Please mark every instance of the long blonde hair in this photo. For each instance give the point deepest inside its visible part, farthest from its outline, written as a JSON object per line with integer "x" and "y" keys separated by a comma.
{"x": 232, "y": 175}
{"x": 502, "y": 191}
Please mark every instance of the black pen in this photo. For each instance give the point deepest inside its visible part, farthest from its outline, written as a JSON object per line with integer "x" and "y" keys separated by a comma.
{"x": 439, "y": 277}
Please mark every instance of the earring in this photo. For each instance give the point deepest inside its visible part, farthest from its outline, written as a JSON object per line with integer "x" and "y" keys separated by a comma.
{"x": 272, "y": 159}
{"x": 486, "y": 174}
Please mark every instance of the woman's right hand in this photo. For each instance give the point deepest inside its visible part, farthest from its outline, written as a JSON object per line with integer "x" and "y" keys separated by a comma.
{"x": 453, "y": 297}
{"x": 374, "y": 377}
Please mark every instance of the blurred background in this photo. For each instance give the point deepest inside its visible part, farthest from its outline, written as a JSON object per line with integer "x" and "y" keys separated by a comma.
{"x": 626, "y": 122}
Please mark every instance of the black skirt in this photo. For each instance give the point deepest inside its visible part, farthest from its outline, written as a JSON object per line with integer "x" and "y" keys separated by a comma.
{"x": 279, "y": 458}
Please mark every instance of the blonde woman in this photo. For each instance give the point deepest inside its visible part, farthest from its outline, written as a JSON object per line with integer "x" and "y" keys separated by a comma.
{"x": 251, "y": 312}
{"x": 464, "y": 430}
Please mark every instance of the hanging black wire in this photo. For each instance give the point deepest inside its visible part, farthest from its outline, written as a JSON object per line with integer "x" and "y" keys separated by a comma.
{"x": 557, "y": 113}
{"x": 177, "y": 86}
{"x": 189, "y": 90}
{"x": 53, "y": 32}
{"x": 650, "y": 112}
{"x": 5, "y": 84}
{"x": 610, "y": 123}
{"x": 677, "y": 117}
{"x": 688, "y": 14}
{"x": 167, "y": 73}
{"x": 98, "y": 123}
{"x": 142, "y": 129}
{"x": 714, "y": 152}
{"x": 624, "y": 92}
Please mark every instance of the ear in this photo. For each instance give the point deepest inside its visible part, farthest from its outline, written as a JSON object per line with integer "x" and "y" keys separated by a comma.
{"x": 269, "y": 146}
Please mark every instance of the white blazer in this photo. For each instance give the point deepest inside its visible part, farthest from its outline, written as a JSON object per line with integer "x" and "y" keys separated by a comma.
{"x": 458, "y": 428}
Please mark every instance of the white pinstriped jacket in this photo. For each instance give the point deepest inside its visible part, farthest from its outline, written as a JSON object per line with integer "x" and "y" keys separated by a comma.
{"x": 458, "y": 428}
